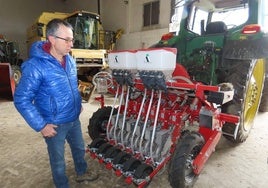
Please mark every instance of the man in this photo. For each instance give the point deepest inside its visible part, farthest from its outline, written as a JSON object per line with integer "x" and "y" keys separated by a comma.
{"x": 48, "y": 99}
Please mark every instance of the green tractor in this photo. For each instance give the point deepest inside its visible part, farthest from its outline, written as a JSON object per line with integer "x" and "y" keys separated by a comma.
{"x": 225, "y": 41}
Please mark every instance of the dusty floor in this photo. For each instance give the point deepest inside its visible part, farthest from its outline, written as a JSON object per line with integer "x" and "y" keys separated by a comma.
{"x": 24, "y": 160}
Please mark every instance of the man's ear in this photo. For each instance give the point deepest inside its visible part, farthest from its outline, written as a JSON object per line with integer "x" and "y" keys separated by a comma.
{"x": 51, "y": 39}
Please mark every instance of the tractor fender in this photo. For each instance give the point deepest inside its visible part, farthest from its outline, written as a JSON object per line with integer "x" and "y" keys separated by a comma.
{"x": 250, "y": 48}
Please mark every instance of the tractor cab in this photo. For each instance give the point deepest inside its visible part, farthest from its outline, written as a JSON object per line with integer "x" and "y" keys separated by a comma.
{"x": 206, "y": 31}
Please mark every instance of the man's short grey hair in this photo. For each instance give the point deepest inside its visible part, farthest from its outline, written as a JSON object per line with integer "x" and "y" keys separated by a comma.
{"x": 53, "y": 26}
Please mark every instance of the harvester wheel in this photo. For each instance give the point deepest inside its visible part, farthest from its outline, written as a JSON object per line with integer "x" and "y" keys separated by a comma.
{"x": 181, "y": 172}
{"x": 98, "y": 122}
{"x": 247, "y": 78}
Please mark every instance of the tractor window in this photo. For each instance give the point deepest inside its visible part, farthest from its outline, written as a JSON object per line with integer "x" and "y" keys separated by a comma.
{"x": 232, "y": 17}
{"x": 196, "y": 17}
{"x": 176, "y": 17}
{"x": 264, "y": 15}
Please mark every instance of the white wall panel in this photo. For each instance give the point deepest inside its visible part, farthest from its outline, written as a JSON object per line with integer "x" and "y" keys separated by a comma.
{"x": 129, "y": 16}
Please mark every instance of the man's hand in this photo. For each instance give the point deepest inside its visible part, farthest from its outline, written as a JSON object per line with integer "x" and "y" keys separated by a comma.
{"x": 49, "y": 130}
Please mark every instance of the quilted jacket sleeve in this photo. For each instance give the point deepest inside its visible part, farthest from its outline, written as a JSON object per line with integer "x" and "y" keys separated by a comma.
{"x": 25, "y": 94}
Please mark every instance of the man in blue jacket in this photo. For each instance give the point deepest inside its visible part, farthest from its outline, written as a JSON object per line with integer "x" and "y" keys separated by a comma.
{"x": 48, "y": 99}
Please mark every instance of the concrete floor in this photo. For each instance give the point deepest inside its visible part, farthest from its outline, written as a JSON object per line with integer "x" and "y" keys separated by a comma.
{"x": 24, "y": 160}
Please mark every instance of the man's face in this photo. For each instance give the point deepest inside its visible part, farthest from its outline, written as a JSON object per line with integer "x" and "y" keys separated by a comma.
{"x": 62, "y": 41}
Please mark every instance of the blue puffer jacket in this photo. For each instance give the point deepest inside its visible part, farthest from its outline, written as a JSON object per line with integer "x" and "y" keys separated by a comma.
{"x": 47, "y": 93}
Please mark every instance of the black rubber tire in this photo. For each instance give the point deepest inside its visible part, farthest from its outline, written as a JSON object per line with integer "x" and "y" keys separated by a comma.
{"x": 121, "y": 157}
{"x": 131, "y": 165}
{"x": 245, "y": 103}
{"x": 112, "y": 152}
{"x": 180, "y": 172}
{"x": 264, "y": 99}
{"x": 97, "y": 143}
{"x": 98, "y": 122}
{"x": 103, "y": 148}
{"x": 143, "y": 171}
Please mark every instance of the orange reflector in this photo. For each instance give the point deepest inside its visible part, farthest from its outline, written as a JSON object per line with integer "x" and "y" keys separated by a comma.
{"x": 167, "y": 36}
{"x": 118, "y": 173}
{"x": 93, "y": 155}
{"x": 109, "y": 166}
{"x": 251, "y": 29}
{"x": 101, "y": 161}
{"x": 128, "y": 180}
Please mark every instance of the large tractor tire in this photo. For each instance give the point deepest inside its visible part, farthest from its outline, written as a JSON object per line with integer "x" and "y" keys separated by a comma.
{"x": 98, "y": 122}
{"x": 247, "y": 77}
{"x": 181, "y": 173}
{"x": 264, "y": 99}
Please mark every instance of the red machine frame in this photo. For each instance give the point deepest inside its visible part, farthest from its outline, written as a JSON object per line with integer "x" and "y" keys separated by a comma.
{"x": 211, "y": 133}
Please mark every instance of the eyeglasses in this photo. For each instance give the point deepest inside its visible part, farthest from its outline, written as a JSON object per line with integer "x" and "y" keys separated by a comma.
{"x": 67, "y": 40}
